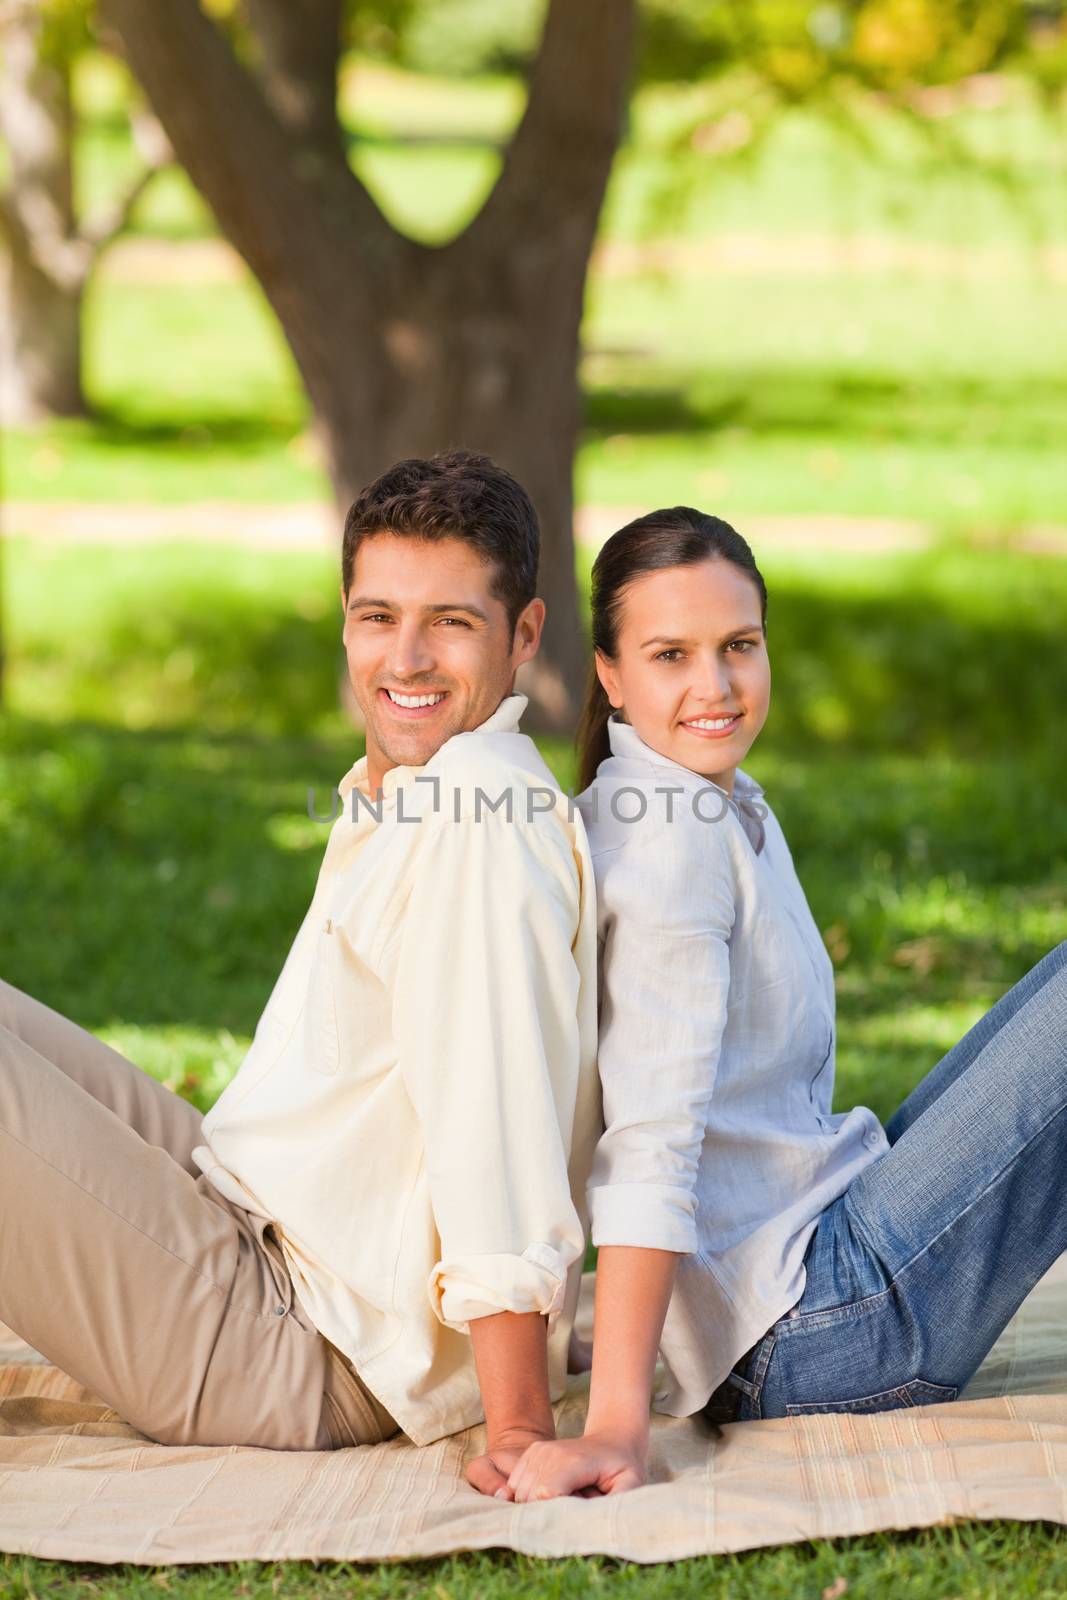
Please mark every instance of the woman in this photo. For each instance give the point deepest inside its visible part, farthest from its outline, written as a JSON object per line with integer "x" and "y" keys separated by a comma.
{"x": 785, "y": 1259}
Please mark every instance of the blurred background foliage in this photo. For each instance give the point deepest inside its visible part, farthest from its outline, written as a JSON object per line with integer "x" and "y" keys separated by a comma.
{"x": 826, "y": 302}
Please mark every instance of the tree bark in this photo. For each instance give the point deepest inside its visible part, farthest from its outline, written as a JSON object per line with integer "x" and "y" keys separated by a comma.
{"x": 42, "y": 277}
{"x": 405, "y": 349}
{"x": 299, "y": 42}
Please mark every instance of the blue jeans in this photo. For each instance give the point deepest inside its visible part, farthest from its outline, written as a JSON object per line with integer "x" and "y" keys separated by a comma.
{"x": 915, "y": 1270}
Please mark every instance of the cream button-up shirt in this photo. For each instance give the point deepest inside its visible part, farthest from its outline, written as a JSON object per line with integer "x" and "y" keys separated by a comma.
{"x": 716, "y": 1055}
{"x": 418, "y": 1109}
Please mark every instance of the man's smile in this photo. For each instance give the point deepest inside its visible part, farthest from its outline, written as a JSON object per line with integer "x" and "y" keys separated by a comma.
{"x": 412, "y": 707}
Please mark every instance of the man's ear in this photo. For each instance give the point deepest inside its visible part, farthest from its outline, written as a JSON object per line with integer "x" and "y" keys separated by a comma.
{"x": 526, "y": 639}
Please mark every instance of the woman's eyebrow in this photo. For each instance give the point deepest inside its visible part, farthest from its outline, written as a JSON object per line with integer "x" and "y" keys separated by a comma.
{"x": 661, "y": 638}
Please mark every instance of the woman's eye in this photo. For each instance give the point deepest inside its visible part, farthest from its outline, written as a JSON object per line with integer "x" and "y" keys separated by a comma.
{"x": 744, "y": 645}
{"x": 666, "y": 654}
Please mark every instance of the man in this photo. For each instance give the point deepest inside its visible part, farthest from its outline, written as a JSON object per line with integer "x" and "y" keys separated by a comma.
{"x": 380, "y": 1224}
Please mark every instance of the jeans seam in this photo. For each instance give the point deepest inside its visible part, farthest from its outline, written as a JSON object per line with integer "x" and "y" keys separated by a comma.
{"x": 959, "y": 1216}
{"x": 764, "y": 1352}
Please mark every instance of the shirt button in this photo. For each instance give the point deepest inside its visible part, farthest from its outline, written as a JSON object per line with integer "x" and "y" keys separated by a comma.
{"x": 279, "y": 1311}
{"x": 872, "y": 1140}
{"x": 660, "y": 1394}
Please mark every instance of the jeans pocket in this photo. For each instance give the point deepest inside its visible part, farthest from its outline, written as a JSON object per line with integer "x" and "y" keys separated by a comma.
{"x": 916, "y": 1393}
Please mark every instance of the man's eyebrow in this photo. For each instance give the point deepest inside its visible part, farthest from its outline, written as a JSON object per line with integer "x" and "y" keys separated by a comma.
{"x": 430, "y": 611}
{"x": 661, "y": 638}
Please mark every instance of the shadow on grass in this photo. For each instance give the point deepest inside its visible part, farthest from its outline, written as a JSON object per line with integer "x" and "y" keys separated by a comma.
{"x": 113, "y": 428}
{"x": 158, "y": 875}
{"x": 630, "y": 397}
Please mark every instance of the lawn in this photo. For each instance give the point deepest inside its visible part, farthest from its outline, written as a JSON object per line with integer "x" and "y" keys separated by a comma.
{"x": 170, "y": 710}
{"x": 170, "y": 707}
{"x": 864, "y": 331}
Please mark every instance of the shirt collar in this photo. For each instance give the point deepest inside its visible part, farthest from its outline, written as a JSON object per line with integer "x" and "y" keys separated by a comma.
{"x": 627, "y": 745}
{"x": 626, "y": 742}
{"x": 505, "y": 719}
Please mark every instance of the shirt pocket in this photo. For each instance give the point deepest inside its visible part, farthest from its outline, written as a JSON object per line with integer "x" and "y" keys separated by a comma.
{"x": 321, "y": 1043}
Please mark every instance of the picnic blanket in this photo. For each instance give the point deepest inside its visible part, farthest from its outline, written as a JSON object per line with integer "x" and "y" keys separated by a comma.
{"x": 78, "y": 1483}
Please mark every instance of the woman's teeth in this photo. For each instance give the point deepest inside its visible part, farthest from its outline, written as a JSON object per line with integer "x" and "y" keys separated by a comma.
{"x": 712, "y": 722}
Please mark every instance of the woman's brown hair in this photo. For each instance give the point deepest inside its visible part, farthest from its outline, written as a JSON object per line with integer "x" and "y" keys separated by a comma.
{"x": 677, "y": 537}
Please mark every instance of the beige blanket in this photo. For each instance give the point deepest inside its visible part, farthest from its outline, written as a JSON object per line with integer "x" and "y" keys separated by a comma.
{"x": 79, "y": 1484}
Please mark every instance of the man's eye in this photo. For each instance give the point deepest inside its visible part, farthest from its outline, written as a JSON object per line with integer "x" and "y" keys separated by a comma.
{"x": 375, "y": 616}
{"x": 461, "y": 621}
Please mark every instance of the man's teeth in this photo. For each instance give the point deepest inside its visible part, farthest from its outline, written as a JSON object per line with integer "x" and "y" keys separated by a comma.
{"x": 710, "y": 722}
{"x": 409, "y": 701}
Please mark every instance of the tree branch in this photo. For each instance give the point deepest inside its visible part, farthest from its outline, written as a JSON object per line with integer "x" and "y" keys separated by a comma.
{"x": 10, "y": 225}
{"x": 299, "y": 43}
{"x": 64, "y": 261}
{"x": 269, "y": 197}
{"x": 558, "y": 163}
{"x": 154, "y": 146}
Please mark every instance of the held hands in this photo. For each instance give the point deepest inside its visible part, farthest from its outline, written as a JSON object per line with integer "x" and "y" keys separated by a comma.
{"x": 593, "y": 1464}
{"x": 489, "y": 1473}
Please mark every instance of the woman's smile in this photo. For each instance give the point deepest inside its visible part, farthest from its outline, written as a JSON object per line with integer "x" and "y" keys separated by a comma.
{"x": 714, "y": 727}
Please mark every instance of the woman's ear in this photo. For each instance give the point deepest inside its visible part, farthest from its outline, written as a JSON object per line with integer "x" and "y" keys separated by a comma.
{"x": 609, "y": 679}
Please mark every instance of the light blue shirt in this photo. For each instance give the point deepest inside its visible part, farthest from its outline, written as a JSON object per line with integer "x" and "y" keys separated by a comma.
{"x": 716, "y": 1055}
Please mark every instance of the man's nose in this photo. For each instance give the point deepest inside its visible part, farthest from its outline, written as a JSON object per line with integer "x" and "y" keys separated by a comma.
{"x": 411, "y": 652}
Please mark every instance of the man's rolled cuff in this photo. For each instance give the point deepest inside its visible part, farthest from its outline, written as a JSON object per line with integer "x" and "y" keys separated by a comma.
{"x": 481, "y": 1286}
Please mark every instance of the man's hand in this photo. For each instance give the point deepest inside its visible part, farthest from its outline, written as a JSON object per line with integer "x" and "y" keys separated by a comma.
{"x": 511, "y": 1355}
{"x": 597, "y": 1463}
{"x": 489, "y": 1473}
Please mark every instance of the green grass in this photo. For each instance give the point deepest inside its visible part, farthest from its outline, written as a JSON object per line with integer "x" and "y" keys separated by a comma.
{"x": 170, "y": 707}
{"x": 983, "y": 1561}
{"x": 932, "y": 393}
{"x": 767, "y": 395}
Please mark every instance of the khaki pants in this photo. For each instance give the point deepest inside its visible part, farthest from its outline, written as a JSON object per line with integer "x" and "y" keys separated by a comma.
{"x": 122, "y": 1265}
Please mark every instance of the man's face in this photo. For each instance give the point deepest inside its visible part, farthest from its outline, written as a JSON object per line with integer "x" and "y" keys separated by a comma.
{"x": 421, "y": 623}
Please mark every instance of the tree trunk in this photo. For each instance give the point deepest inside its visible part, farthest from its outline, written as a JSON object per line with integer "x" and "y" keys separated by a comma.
{"x": 404, "y": 349}
{"x": 298, "y": 43}
{"x": 42, "y": 277}
{"x": 40, "y": 344}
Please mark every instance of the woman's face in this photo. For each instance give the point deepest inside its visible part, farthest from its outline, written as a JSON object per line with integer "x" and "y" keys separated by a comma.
{"x": 691, "y": 673}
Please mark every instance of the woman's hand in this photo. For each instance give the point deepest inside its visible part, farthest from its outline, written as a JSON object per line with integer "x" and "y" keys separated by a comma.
{"x": 489, "y": 1473}
{"x": 597, "y": 1463}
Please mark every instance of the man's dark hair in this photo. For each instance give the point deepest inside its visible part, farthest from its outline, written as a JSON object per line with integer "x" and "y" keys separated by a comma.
{"x": 455, "y": 495}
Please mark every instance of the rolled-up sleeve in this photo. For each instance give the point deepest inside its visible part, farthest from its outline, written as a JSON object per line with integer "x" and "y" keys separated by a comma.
{"x": 486, "y": 1024}
{"x": 666, "y": 918}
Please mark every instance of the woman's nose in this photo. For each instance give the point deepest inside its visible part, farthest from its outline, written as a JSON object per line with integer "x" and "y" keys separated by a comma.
{"x": 713, "y": 680}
